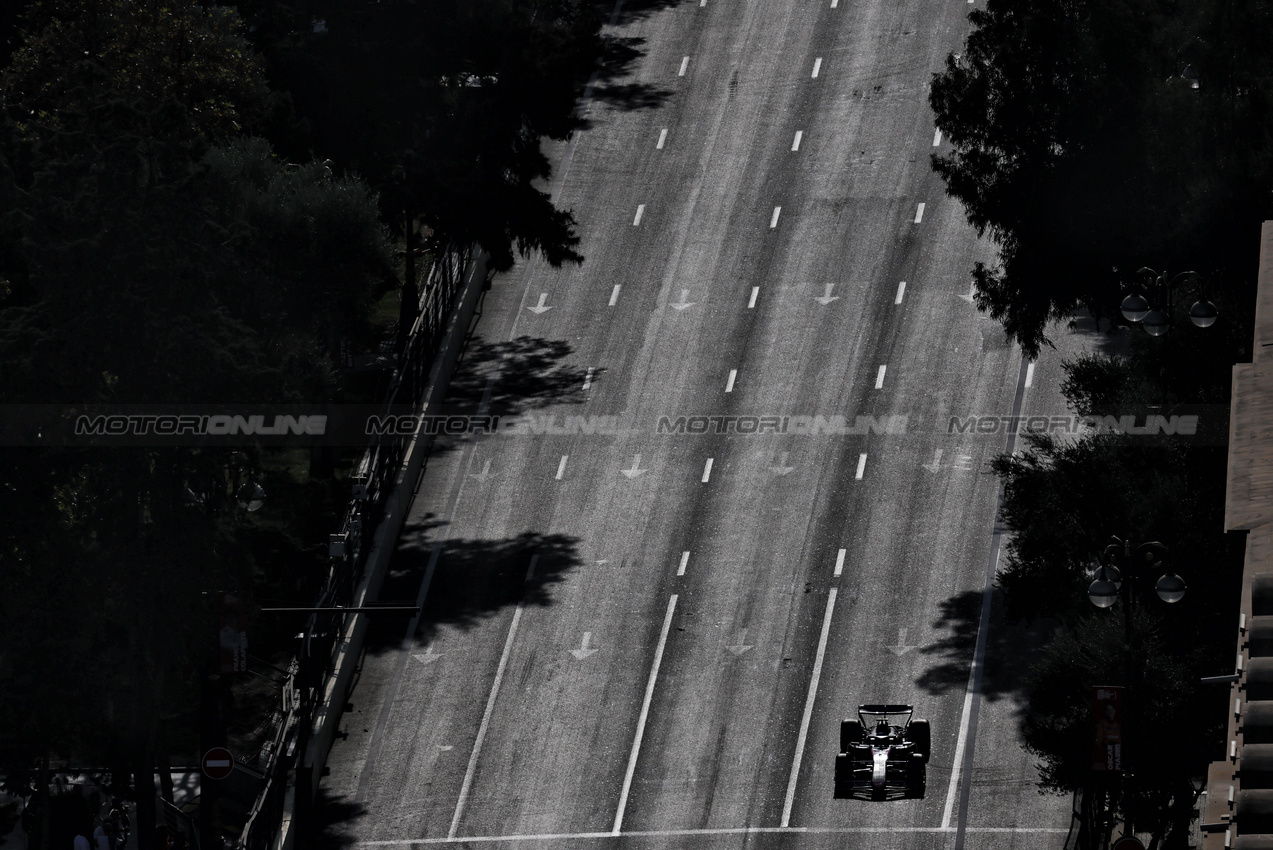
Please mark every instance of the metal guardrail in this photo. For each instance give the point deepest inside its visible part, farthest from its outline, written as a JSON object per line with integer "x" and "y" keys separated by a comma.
{"x": 372, "y": 483}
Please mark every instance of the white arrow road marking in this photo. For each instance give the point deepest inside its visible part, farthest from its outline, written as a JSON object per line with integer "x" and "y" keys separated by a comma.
{"x": 901, "y": 290}
{"x": 636, "y": 468}
{"x": 707, "y": 469}
{"x": 540, "y": 308}
{"x": 583, "y": 651}
{"x": 827, "y": 297}
{"x": 861, "y": 466}
{"x": 839, "y": 561}
{"x": 685, "y": 559}
{"x": 445, "y": 747}
{"x": 755, "y": 290}
{"x": 782, "y": 468}
{"x": 428, "y": 656}
{"x": 972, "y": 287}
{"x": 902, "y": 648}
{"x": 936, "y": 462}
{"x": 741, "y": 646}
{"x": 963, "y": 462}
{"x": 614, "y": 294}
{"x": 684, "y": 302}
{"x": 483, "y": 476}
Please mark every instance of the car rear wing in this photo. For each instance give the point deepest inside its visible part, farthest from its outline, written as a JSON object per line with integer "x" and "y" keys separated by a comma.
{"x": 886, "y": 710}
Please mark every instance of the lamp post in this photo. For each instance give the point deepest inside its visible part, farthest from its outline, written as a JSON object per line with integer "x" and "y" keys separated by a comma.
{"x": 1155, "y": 313}
{"x": 1119, "y": 568}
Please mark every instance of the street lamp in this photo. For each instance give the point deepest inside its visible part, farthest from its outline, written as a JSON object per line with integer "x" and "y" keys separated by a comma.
{"x": 1109, "y": 583}
{"x": 1156, "y": 317}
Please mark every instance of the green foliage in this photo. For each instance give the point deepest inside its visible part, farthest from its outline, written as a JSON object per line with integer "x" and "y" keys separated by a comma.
{"x": 1080, "y": 146}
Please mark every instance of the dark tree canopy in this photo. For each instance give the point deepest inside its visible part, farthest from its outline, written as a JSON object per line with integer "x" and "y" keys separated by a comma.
{"x": 1082, "y": 148}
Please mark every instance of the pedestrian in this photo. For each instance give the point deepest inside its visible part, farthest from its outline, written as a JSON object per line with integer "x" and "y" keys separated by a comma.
{"x": 81, "y": 842}
{"x": 101, "y": 838}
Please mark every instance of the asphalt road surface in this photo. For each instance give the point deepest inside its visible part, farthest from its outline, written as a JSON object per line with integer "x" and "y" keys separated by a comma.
{"x": 726, "y": 502}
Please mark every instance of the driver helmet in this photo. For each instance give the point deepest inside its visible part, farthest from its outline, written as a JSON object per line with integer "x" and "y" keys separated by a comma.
{"x": 881, "y": 729}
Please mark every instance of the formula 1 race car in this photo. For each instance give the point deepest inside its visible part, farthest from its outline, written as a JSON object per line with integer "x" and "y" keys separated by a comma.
{"x": 882, "y": 753}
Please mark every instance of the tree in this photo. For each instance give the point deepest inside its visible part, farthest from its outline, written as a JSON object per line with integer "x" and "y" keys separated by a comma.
{"x": 1080, "y": 146}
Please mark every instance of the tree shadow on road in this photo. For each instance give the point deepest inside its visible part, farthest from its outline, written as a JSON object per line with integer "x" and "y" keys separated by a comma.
{"x": 331, "y": 813}
{"x": 528, "y": 373}
{"x": 618, "y": 61}
{"x": 1010, "y": 649}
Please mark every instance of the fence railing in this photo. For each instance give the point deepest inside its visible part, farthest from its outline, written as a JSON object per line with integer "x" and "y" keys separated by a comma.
{"x": 372, "y": 483}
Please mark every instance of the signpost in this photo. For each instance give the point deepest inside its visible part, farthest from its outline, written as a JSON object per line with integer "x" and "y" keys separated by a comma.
{"x": 218, "y": 763}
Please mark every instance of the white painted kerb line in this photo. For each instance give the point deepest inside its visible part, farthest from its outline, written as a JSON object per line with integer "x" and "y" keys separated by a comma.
{"x": 662, "y": 139}
{"x": 817, "y": 66}
{"x": 773, "y": 222}
{"x": 614, "y": 296}
{"x": 795, "y": 146}
{"x": 490, "y": 707}
{"x": 901, "y": 290}
{"x": 645, "y": 713}
{"x": 640, "y": 212}
{"x": 839, "y": 562}
{"x": 919, "y": 214}
{"x": 808, "y": 709}
{"x": 561, "y": 467}
{"x": 879, "y": 378}
{"x": 729, "y": 383}
{"x": 707, "y": 469}
{"x": 861, "y": 466}
{"x": 685, "y": 63}
{"x": 685, "y": 560}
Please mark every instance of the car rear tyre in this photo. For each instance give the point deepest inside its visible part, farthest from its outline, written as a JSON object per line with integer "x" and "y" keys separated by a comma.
{"x": 850, "y": 734}
{"x": 843, "y": 776}
{"x": 922, "y": 736}
{"x": 916, "y": 778}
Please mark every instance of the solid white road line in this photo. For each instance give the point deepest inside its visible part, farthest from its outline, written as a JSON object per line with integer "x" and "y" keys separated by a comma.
{"x": 707, "y": 469}
{"x": 755, "y": 290}
{"x": 901, "y": 290}
{"x": 959, "y": 760}
{"x": 662, "y": 139}
{"x": 587, "y": 379}
{"x": 773, "y": 222}
{"x": 861, "y": 466}
{"x": 645, "y": 713}
{"x": 614, "y": 295}
{"x": 685, "y": 63}
{"x": 561, "y": 467}
{"x": 795, "y": 146}
{"x": 817, "y": 66}
{"x": 1029, "y": 374}
{"x": 937, "y": 138}
{"x": 467, "y": 785}
{"x": 689, "y": 833}
{"x": 839, "y": 562}
{"x": 919, "y": 214}
{"x": 808, "y": 709}
{"x": 729, "y": 384}
{"x": 685, "y": 559}
{"x": 640, "y": 212}
{"x": 879, "y": 379}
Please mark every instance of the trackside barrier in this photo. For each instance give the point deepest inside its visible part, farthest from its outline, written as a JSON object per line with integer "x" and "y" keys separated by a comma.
{"x": 314, "y": 694}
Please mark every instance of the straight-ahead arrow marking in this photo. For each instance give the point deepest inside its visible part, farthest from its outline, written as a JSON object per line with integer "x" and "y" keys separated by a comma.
{"x": 583, "y": 651}
{"x": 827, "y": 298}
{"x": 540, "y": 308}
{"x": 428, "y": 656}
{"x": 972, "y": 288}
{"x": 636, "y": 468}
{"x": 684, "y": 302}
{"x": 935, "y": 466}
{"x": 742, "y": 645}
{"x": 901, "y": 648}
{"x": 484, "y": 474}
{"x": 782, "y": 468}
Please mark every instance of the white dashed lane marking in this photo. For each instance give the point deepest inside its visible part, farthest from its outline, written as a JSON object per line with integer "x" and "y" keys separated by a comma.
{"x": 685, "y": 559}
{"x": 901, "y": 290}
{"x": 640, "y": 212}
{"x": 773, "y": 222}
{"x": 662, "y": 138}
{"x": 755, "y": 291}
{"x": 817, "y": 66}
{"x": 879, "y": 378}
{"x": 919, "y": 214}
{"x": 795, "y": 146}
{"x": 707, "y": 469}
{"x": 729, "y": 384}
{"x": 858, "y": 475}
{"x": 685, "y": 63}
{"x": 561, "y": 467}
{"x": 839, "y": 562}
{"x": 614, "y": 295}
